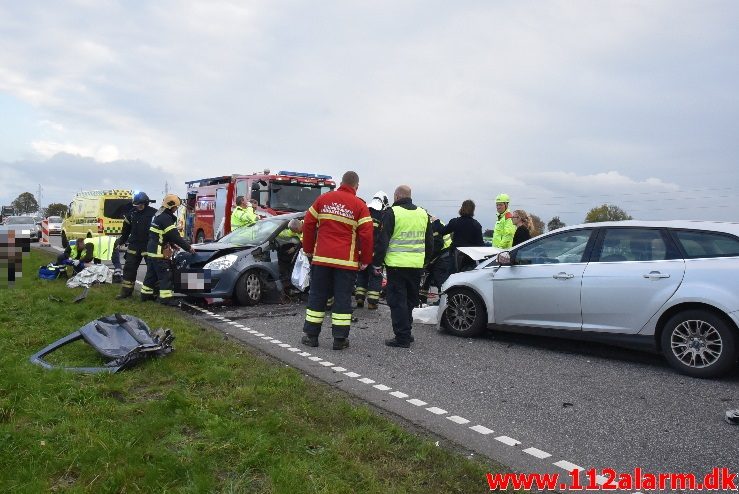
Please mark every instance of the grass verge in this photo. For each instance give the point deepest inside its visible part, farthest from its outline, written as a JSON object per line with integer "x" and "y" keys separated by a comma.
{"x": 210, "y": 417}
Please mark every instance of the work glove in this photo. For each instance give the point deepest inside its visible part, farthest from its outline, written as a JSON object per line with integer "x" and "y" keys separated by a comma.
{"x": 76, "y": 263}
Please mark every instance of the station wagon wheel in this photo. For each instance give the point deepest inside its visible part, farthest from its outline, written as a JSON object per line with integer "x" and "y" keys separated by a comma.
{"x": 249, "y": 288}
{"x": 699, "y": 343}
{"x": 465, "y": 313}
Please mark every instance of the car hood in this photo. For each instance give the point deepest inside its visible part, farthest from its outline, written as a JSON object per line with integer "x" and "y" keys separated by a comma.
{"x": 207, "y": 252}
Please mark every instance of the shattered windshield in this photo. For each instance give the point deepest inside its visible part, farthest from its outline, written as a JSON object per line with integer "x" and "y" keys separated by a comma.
{"x": 255, "y": 234}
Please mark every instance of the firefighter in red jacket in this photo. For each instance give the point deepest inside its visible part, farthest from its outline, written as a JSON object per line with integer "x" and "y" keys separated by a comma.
{"x": 338, "y": 238}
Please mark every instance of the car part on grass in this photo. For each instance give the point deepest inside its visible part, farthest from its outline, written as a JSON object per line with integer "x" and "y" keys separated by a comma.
{"x": 82, "y": 296}
{"x": 732, "y": 416}
{"x": 123, "y": 339}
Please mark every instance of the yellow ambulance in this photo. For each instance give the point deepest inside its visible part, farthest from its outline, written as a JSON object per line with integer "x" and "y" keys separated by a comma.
{"x": 95, "y": 213}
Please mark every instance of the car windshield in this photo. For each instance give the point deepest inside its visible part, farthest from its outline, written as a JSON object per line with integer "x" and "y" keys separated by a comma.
{"x": 255, "y": 234}
{"x": 20, "y": 220}
{"x": 55, "y": 219}
{"x": 294, "y": 197}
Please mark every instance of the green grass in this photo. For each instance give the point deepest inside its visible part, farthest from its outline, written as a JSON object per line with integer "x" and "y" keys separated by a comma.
{"x": 210, "y": 417}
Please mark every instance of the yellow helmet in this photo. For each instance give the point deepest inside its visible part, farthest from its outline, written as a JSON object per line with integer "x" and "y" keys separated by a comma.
{"x": 503, "y": 198}
{"x": 171, "y": 201}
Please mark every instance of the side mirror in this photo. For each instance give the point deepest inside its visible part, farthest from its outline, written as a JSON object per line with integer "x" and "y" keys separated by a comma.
{"x": 504, "y": 258}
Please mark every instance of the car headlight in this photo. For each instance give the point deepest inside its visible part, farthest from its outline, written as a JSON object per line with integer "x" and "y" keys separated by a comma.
{"x": 224, "y": 262}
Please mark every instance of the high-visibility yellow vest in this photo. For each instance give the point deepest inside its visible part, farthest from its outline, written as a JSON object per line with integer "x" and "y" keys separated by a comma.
{"x": 407, "y": 247}
{"x": 102, "y": 246}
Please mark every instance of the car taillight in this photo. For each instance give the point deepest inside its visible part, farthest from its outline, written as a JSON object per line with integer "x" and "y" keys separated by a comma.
{"x": 100, "y": 225}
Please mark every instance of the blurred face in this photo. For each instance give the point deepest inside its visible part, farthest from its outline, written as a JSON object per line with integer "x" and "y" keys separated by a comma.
{"x": 515, "y": 219}
{"x": 501, "y": 207}
{"x": 140, "y": 207}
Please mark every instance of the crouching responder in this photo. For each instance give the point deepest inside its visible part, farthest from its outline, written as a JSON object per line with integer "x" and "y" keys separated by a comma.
{"x": 369, "y": 282}
{"x": 77, "y": 254}
{"x": 437, "y": 271}
{"x": 163, "y": 234}
{"x": 136, "y": 224}
{"x": 243, "y": 214}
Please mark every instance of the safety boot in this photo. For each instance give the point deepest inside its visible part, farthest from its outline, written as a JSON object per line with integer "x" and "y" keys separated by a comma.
{"x": 341, "y": 343}
{"x": 360, "y": 303}
{"x": 147, "y": 297}
{"x": 309, "y": 340}
{"x": 371, "y": 305}
{"x": 124, "y": 293}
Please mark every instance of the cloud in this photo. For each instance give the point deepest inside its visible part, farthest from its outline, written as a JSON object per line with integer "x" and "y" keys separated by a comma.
{"x": 104, "y": 153}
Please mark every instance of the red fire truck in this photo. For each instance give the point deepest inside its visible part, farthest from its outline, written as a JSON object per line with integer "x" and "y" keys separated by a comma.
{"x": 211, "y": 200}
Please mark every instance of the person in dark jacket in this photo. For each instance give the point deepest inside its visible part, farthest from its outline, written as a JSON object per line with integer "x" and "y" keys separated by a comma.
{"x": 522, "y": 221}
{"x": 78, "y": 254}
{"x": 163, "y": 235}
{"x": 405, "y": 246}
{"x": 437, "y": 270}
{"x": 369, "y": 283}
{"x": 466, "y": 232}
{"x": 136, "y": 224}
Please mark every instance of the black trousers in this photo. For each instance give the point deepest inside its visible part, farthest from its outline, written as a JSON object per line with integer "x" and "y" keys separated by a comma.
{"x": 368, "y": 285}
{"x": 436, "y": 274}
{"x": 130, "y": 269}
{"x": 328, "y": 282}
{"x": 402, "y": 297}
{"x": 158, "y": 270}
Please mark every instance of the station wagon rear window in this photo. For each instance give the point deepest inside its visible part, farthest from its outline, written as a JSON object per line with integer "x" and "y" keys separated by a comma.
{"x": 707, "y": 244}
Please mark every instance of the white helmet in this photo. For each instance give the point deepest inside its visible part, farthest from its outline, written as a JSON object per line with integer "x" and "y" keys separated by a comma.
{"x": 379, "y": 201}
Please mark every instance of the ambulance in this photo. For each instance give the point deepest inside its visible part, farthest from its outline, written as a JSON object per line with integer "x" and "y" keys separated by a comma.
{"x": 96, "y": 213}
{"x": 210, "y": 201}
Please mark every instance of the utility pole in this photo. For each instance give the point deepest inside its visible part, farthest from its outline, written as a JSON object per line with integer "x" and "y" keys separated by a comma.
{"x": 166, "y": 187}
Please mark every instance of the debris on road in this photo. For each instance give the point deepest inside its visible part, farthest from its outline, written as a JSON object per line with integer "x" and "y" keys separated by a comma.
{"x": 732, "y": 416}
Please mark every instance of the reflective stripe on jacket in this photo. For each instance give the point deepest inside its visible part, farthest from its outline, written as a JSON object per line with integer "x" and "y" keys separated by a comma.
{"x": 243, "y": 217}
{"x": 102, "y": 247}
{"x": 163, "y": 230}
{"x": 504, "y": 231}
{"x": 407, "y": 246}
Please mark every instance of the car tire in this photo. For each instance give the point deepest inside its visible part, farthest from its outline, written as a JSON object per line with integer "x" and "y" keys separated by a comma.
{"x": 249, "y": 288}
{"x": 200, "y": 237}
{"x": 465, "y": 314}
{"x": 715, "y": 350}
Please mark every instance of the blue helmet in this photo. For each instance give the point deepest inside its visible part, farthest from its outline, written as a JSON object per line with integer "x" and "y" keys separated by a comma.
{"x": 141, "y": 198}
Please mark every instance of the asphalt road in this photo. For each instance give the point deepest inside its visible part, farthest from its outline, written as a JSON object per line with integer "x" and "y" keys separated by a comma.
{"x": 534, "y": 404}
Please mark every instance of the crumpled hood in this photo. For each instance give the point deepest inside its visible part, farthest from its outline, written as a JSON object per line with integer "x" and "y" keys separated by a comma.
{"x": 205, "y": 253}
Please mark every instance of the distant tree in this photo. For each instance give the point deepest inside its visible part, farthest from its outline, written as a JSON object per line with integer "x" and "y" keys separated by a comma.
{"x": 606, "y": 212}
{"x": 537, "y": 226}
{"x": 25, "y": 204}
{"x": 555, "y": 223}
{"x": 57, "y": 209}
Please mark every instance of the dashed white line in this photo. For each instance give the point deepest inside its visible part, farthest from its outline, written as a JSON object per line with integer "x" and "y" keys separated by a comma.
{"x": 352, "y": 374}
{"x": 417, "y": 402}
{"x": 315, "y": 359}
{"x": 567, "y": 466}
{"x": 284, "y": 345}
{"x": 304, "y": 354}
{"x": 276, "y": 342}
{"x": 338, "y": 369}
{"x": 508, "y": 440}
{"x": 436, "y": 410}
{"x": 293, "y": 349}
{"x": 268, "y": 338}
{"x": 382, "y": 387}
{"x": 458, "y": 420}
{"x": 481, "y": 429}
{"x": 326, "y": 363}
{"x": 259, "y": 334}
{"x": 537, "y": 453}
{"x": 366, "y": 380}
{"x": 399, "y": 394}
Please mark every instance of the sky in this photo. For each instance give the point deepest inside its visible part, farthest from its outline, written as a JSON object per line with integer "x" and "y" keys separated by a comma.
{"x": 563, "y": 105}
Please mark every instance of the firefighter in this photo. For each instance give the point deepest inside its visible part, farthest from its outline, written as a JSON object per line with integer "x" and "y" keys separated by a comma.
{"x": 504, "y": 227}
{"x": 243, "y": 214}
{"x": 77, "y": 254}
{"x": 369, "y": 283}
{"x": 405, "y": 247}
{"x": 438, "y": 269}
{"x": 337, "y": 237}
{"x": 136, "y": 224}
{"x": 163, "y": 234}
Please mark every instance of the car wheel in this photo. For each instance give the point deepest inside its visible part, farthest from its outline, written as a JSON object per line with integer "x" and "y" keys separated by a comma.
{"x": 465, "y": 313}
{"x": 65, "y": 241}
{"x": 200, "y": 237}
{"x": 699, "y": 343}
{"x": 249, "y": 288}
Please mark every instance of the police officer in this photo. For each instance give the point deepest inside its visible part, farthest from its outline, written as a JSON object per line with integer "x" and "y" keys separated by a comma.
{"x": 243, "y": 214}
{"x": 136, "y": 224}
{"x": 437, "y": 271}
{"x": 405, "y": 247}
{"x": 504, "y": 227}
{"x": 337, "y": 237}
{"x": 369, "y": 283}
{"x": 163, "y": 234}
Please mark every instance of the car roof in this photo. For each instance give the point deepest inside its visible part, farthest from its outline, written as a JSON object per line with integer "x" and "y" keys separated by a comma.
{"x": 716, "y": 226}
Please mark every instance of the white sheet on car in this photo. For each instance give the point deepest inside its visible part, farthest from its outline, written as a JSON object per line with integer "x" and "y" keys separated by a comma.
{"x": 97, "y": 273}
{"x": 479, "y": 253}
{"x": 425, "y": 315}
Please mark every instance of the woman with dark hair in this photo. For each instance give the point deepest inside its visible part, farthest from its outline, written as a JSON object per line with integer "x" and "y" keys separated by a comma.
{"x": 466, "y": 232}
{"x": 522, "y": 221}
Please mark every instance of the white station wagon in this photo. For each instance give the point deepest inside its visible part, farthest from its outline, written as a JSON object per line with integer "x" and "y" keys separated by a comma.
{"x": 665, "y": 286}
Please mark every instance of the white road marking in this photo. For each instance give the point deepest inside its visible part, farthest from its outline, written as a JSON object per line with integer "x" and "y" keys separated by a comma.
{"x": 566, "y": 465}
{"x": 437, "y": 410}
{"x": 338, "y": 369}
{"x": 326, "y": 363}
{"x": 537, "y": 453}
{"x": 481, "y": 429}
{"x": 293, "y": 349}
{"x": 508, "y": 440}
{"x": 352, "y": 374}
{"x": 366, "y": 380}
{"x": 398, "y": 394}
{"x": 417, "y": 402}
{"x": 276, "y": 342}
{"x": 458, "y": 420}
{"x": 315, "y": 359}
{"x": 600, "y": 480}
{"x": 284, "y": 345}
{"x": 259, "y": 334}
{"x": 304, "y": 354}
{"x": 382, "y": 387}
{"x": 268, "y": 338}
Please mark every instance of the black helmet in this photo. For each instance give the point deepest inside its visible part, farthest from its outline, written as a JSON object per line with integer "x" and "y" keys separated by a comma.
{"x": 141, "y": 198}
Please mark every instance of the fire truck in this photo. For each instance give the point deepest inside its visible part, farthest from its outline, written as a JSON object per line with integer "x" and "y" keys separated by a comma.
{"x": 210, "y": 201}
